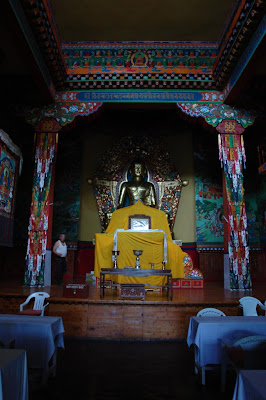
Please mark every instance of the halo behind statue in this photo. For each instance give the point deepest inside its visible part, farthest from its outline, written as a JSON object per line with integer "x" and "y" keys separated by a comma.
{"x": 113, "y": 171}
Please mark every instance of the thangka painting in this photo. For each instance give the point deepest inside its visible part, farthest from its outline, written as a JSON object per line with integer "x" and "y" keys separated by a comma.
{"x": 261, "y": 213}
{"x": 67, "y": 187}
{"x": 113, "y": 171}
{"x": 252, "y": 219}
{"x": 255, "y": 197}
{"x": 208, "y": 191}
{"x": 9, "y": 166}
{"x": 256, "y": 211}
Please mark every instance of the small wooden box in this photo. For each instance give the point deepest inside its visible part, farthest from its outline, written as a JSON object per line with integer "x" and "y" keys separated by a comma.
{"x": 107, "y": 283}
{"x": 176, "y": 283}
{"x": 132, "y": 291}
{"x": 79, "y": 290}
{"x": 198, "y": 283}
{"x": 186, "y": 283}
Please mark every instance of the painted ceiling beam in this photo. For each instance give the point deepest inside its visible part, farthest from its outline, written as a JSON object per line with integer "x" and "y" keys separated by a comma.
{"x": 144, "y": 65}
{"x": 44, "y": 28}
{"x": 245, "y": 64}
{"x": 148, "y": 66}
{"x": 238, "y": 33}
{"x": 41, "y": 73}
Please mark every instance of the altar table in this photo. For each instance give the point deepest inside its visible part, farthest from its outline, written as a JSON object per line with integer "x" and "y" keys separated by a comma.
{"x": 250, "y": 385}
{"x": 13, "y": 375}
{"x": 139, "y": 273}
{"x": 207, "y": 333}
{"x": 39, "y": 336}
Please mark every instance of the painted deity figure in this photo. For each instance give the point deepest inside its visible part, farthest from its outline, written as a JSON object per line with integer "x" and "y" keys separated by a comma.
{"x": 137, "y": 188}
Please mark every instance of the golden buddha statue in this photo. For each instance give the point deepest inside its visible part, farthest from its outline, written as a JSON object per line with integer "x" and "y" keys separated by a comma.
{"x": 137, "y": 188}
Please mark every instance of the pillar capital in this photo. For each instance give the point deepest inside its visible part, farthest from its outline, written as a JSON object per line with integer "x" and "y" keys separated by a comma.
{"x": 54, "y": 116}
{"x": 225, "y": 118}
{"x": 48, "y": 125}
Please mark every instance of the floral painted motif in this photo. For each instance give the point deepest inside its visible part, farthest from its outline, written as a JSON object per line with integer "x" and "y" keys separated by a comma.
{"x": 189, "y": 270}
{"x": 214, "y": 114}
{"x": 62, "y": 112}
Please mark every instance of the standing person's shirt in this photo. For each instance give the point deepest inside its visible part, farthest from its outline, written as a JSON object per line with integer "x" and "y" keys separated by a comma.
{"x": 62, "y": 248}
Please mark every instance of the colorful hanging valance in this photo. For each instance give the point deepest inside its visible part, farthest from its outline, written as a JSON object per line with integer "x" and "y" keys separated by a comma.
{"x": 233, "y": 158}
{"x": 46, "y": 146}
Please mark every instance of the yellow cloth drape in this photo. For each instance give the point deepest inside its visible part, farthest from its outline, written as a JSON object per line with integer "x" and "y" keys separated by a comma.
{"x": 150, "y": 242}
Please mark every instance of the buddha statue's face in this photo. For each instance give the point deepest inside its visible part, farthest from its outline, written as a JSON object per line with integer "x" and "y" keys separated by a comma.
{"x": 138, "y": 170}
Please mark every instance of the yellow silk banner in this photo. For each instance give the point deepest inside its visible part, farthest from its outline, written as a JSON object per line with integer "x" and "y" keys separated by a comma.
{"x": 152, "y": 244}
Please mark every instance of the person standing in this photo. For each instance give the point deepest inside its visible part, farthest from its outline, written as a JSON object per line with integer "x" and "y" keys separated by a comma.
{"x": 60, "y": 251}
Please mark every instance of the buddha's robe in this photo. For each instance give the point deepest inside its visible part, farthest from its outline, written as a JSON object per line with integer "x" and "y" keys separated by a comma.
{"x": 152, "y": 244}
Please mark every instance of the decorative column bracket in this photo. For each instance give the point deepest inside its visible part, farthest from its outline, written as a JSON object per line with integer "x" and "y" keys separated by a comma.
{"x": 224, "y": 118}
{"x": 64, "y": 112}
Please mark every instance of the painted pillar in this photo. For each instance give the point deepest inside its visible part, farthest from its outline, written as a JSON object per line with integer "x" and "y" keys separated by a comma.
{"x": 40, "y": 222}
{"x": 232, "y": 156}
{"x": 231, "y": 124}
{"x": 47, "y": 122}
{"x": 49, "y": 246}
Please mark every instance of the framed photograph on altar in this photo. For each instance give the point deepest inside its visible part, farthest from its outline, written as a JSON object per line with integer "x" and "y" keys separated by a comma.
{"x": 139, "y": 222}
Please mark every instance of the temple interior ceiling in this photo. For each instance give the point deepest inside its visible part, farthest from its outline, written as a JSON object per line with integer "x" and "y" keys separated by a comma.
{"x": 16, "y": 63}
{"x": 123, "y": 20}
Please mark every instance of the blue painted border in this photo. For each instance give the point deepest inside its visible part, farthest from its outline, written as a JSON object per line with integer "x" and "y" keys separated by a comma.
{"x": 154, "y": 96}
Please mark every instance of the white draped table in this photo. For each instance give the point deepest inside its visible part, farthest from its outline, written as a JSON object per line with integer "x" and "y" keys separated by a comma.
{"x": 207, "y": 333}
{"x": 250, "y": 385}
{"x": 39, "y": 336}
{"x": 13, "y": 375}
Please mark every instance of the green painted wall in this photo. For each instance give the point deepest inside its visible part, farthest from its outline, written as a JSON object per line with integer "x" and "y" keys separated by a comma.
{"x": 180, "y": 147}
{"x": 94, "y": 145}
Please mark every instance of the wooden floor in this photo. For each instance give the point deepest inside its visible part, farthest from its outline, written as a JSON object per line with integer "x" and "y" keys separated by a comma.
{"x": 154, "y": 370}
{"x": 111, "y": 318}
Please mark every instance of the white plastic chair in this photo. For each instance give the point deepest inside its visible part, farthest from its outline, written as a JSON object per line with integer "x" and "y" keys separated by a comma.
{"x": 245, "y": 353}
{"x": 38, "y": 307}
{"x": 206, "y": 312}
{"x": 210, "y": 312}
{"x": 249, "y": 305}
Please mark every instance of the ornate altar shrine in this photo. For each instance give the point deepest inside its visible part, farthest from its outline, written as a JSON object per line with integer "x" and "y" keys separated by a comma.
{"x": 114, "y": 173}
{"x": 151, "y": 242}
